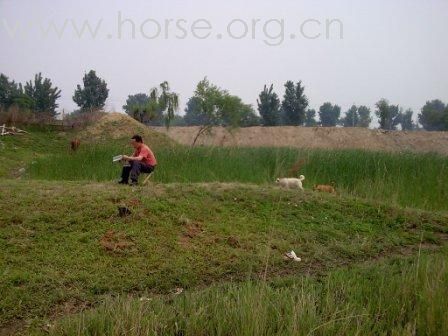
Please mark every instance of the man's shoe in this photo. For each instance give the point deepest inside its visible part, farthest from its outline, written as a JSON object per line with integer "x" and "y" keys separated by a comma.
{"x": 122, "y": 182}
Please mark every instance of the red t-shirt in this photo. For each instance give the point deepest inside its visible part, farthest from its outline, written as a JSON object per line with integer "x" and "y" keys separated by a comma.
{"x": 148, "y": 155}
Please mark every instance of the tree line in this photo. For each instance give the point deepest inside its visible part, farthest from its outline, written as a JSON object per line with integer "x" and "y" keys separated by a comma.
{"x": 37, "y": 98}
{"x": 212, "y": 106}
{"x": 293, "y": 110}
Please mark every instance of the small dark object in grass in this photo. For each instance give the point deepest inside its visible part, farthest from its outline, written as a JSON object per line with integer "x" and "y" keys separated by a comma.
{"x": 233, "y": 242}
{"x": 123, "y": 211}
{"x": 74, "y": 144}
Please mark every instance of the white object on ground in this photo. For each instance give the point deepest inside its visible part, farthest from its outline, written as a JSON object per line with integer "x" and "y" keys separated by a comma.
{"x": 11, "y": 130}
{"x": 117, "y": 158}
{"x": 178, "y": 290}
{"x": 292, "y": 255}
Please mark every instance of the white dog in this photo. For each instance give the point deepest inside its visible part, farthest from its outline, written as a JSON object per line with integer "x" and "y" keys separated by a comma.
{"x": 291, "y": 182}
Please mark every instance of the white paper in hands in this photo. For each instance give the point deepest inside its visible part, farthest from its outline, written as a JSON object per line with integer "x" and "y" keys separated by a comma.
{"x": 117, "y": 158}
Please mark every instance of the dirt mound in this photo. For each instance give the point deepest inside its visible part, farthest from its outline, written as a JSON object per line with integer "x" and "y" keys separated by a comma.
{"x": 116, "y": 125}
{"x": 316, "y": 137}
{"x": 190, "y": 231}
{"x": 115, "y": 241}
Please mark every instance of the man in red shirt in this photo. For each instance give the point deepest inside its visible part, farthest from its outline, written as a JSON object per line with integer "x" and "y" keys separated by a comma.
{"x": 142, "y": 161}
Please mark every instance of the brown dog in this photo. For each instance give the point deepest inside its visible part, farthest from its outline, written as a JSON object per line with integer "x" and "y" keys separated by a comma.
{"x": 324, "y": 188}
{"x": 74, "y": 144}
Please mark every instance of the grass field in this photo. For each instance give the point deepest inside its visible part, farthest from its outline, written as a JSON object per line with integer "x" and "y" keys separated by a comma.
{"x": 52, "y": 231}
{"x": 352, "y": 301}
{"x": 213, "y": 223}
{"x": 413, "y": 180}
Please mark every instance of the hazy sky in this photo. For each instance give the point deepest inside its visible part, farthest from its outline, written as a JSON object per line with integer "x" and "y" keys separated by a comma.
{"x": 394, "y": 49}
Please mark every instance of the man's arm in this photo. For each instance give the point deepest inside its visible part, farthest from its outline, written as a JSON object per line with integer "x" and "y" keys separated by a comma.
{"x": 133, "y": 158}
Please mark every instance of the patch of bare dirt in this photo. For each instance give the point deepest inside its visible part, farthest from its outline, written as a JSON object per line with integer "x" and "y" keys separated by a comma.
{"x": 65, "y": 308}
{"x": 190, "y": 231}
{"x": 116, "y": 241}
{"x": 233, "y": 242}
{"x": 134, "y": 202}
{"x": 315, "y": 137}
{"x": 13, "y": 328}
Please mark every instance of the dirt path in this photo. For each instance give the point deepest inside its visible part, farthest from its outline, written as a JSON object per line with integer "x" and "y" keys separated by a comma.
{"x": 316, "y": 137}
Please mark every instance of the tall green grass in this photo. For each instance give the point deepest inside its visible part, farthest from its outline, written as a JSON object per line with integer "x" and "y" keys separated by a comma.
{"x": 403, "y": 297}
{"x": 407, "y": 179}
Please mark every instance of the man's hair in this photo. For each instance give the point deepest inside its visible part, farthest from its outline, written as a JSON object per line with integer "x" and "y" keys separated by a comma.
{"x": 137, "y": 138}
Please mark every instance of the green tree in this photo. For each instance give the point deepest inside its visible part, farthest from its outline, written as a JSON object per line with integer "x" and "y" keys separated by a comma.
{"x": 236, "y": 113}
{"x": 357, "y": 117}
{"x": 93, "y": 95}
{"x": 269, "y": 106}
{"x": 294, "y": 104}
{"x": 135, "y": 99}
{"x": 288, "y": 102}
{"x": 407, "y": 124}
{"x": 193, "y": 112}
{"x": 301, "y": 104}
{"x": 329, "y": 115}
{"x": 23, "y": 101}
{"x": 310, "y": 118}
{"x": 351, "y": 118}
{"x": 9, "y": 91}
{"x": 167, "y": 101}
{"x": 217, "y": 107}
{"x": 389, "y": 115}
{"x": 161, "y": 106}
{"x": 136, "y": 106}
{"x": 43, "y": 95}
{"x": 364, "y": 116}
{"x": 156, "y": 109}
{"x": 433, "y": 116}
{"x": 248, "y": 116}
{"x": 209, "y": 99}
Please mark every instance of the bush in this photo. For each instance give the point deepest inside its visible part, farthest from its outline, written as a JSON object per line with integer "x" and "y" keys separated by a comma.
{"x": 16, "y": 116}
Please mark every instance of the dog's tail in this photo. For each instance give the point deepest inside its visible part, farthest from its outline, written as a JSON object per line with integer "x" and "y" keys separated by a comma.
{"x": 302, "y": 178}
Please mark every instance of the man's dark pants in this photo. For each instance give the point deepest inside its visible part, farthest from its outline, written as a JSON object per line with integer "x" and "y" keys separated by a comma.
{"x": 134, "y": 170}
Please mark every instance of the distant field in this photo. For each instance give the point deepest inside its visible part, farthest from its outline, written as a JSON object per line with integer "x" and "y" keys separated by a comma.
{"x": 315, "y": 138}
{"x": 406, "y": 179}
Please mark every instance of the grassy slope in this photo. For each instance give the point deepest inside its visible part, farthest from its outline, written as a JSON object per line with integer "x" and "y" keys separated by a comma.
{"x": 184, "y": 235}
{"x": 20, "y": 151}
{"x": 349, "y": 301}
